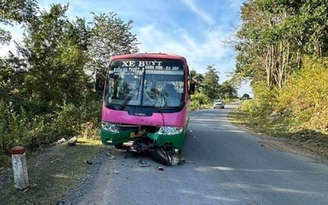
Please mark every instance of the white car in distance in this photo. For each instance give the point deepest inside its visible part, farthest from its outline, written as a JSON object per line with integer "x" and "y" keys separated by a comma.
{"x": 218, "y": 104}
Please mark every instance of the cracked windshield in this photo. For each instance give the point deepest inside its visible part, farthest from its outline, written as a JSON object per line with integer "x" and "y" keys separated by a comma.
{"x": 155, "y": 83}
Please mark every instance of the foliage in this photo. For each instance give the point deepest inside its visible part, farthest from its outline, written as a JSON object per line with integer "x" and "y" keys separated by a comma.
{"x": 33, "y": 132}
{"x": 263, "y": 104}
{"x": 281, "y": 49}
{"x": 15, "y": 12}
{"x": 10, "y": 125}
{"x": 51, "y": 48}
{"x": 110, "y": 36}
{"x": 305, "y": 96}
{"x": 275, "y": 35}
{"x": 227, "y": 91}
{"x": 211, "y": 83}
{"x": 199, "y": 101}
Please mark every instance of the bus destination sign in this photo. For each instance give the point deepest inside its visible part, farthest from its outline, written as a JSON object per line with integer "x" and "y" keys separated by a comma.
{"x": 139, "y": 66}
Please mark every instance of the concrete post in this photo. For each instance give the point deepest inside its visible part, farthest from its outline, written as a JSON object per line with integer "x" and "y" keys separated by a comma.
{"x": 18, "y": 157}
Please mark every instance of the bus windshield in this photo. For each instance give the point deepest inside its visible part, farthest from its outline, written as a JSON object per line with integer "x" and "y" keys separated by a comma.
{"x": 145, "y": 83}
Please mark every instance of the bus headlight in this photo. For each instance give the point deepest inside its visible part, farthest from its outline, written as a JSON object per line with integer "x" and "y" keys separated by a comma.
{"x": 110, "y": 127}
{"x": 165, "y": 130}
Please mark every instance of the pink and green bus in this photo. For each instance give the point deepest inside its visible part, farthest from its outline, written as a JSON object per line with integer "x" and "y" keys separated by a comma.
{"x": 146, "y": 95}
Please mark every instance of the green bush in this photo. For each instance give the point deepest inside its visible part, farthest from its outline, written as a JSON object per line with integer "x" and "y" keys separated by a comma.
{"x": 264, "y": 102}
{"x": 14, "y": 127}
{"x": 36, "y": 131}
{"x": 247, "y": 106}
{"x": 90, "y": 124}
{"x": 198, "y": 101}
{"x": 39, "y": 134}
{"x": 73, "y": 120}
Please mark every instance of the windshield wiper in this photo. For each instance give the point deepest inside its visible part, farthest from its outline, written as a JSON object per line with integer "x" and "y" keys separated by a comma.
{"x": 131, "y": 94}
{"x": 127, "y": 100}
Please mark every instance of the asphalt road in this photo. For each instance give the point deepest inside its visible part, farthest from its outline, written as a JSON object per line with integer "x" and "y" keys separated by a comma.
{"x": 224, "y": 166}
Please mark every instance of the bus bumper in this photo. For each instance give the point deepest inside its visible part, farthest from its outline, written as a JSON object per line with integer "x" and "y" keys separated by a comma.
{"x": 175, "y": 141}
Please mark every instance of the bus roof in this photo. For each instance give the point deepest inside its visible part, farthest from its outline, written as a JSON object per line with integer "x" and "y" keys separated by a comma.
{"x": 150, "y": 55}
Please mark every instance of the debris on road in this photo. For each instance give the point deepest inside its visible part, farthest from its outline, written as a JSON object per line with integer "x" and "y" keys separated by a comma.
{"x": 141, "y": 145}
{"x": 111, "y": 157}
{"x": 142, "y": 163}
{"x": 159, "y": 154}
{"x": 114, "y": 171}
{"x": 163, "y": 155}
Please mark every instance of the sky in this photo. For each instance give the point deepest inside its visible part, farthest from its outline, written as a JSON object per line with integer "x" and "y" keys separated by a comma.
{"x": 196, "y": 29}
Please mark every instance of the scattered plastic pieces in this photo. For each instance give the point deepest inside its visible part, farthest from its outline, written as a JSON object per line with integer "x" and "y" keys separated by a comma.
{"x": 142, "y": 163}
{"x": 114, "y": 171}
{"x": 111, "y": 157}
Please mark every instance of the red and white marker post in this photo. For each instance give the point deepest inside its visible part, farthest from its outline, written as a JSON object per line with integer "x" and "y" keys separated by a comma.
{"x": 18, "y": 156}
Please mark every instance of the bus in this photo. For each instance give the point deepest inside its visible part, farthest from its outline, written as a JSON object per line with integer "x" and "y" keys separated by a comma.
{"x": 146, "y": 95}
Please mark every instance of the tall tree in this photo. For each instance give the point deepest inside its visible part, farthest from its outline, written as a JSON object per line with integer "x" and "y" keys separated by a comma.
{"x": 110, "y": 36}
{"x": 53, "y": 50}
{"x": 211, "y": 83}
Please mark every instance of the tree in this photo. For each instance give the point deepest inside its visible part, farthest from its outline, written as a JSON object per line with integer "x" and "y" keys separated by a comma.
{"x": 15, "y": 11}
{"x": 227, "y": 91}
{"x": 110, "y": 36}
{"x": 53, "y": 50}
{"x": 211, "y": 83}
{"x": 275, "y": 35}
{"x": 198, "y": 78}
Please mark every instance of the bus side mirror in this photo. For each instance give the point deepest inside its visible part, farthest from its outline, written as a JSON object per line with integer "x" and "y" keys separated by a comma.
{"x": 96, "y": 83}
{"x": 192, "y": 87}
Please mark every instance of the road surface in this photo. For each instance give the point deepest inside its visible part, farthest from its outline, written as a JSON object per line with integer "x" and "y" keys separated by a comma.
{"x": 224, "y": 165}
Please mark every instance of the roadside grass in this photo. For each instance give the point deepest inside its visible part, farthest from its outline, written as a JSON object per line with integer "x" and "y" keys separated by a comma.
{"x": 52, "y": 173}
{"x": 308, "y": 141}
{"x": 256, "y": 124}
